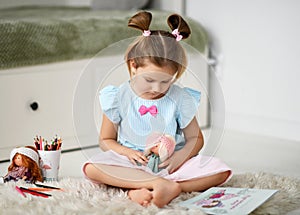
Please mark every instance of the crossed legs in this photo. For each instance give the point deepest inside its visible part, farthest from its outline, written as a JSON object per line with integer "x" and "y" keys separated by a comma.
{"x": 145, "y": 188}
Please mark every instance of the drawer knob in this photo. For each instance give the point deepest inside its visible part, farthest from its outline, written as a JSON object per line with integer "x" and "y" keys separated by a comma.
{"x": 34, "y": 106}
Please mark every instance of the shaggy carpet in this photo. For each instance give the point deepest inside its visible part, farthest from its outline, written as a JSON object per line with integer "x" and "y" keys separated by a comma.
{"x": 80, "y": 196}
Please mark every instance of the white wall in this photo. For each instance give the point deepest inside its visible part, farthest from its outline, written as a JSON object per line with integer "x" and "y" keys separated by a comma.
{"x": 176, "y": 6}
{"x": 14, "y": 3}
{"x": 98, "y": 4}
{"x": 259, "y": 44}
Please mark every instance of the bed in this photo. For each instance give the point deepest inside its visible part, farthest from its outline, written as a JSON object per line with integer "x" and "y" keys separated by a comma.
{"x": 43, "y": 51}
{"x": 38, "y": 35}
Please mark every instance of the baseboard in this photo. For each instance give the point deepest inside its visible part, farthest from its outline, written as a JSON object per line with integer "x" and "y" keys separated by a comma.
{"x": 264, "y": 126}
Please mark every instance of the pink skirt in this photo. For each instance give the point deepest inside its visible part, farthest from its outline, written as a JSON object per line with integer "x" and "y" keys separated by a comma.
{"x": 197, "y": 167}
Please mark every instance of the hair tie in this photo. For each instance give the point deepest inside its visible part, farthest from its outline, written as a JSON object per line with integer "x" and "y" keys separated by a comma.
{"x": 146, "y": 33}
{"x": 177, "y": 35}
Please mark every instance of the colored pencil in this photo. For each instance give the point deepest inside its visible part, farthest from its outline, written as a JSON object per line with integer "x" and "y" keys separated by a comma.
{"x": 46, "y": 186}
{"x": 40, "y": 189}
{"x": 36, "y": 193}
{"x": 20, "y": 191}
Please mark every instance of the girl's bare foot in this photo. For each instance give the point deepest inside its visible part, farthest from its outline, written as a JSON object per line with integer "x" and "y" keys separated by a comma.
{"x": 164, "y": 192}
{"x": 141, "y": 196}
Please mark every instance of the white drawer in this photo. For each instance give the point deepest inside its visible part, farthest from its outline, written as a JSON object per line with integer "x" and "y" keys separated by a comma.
{"x": 52, "y": 87}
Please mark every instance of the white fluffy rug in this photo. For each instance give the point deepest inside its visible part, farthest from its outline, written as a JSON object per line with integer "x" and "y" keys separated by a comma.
{"x": 82, "y": 197}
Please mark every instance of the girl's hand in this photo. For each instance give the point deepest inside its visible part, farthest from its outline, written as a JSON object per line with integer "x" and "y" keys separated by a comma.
{"x": 135, "y": 156}
{"x": 174, "y": 162}
{"x": 194, "y": 142}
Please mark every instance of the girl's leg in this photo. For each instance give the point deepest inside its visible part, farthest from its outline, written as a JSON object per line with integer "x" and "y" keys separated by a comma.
{"x": 135, "y": 179}
{"x": 204, "y": 183}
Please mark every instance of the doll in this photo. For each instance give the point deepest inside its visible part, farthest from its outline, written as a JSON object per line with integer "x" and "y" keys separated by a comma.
{"x": 24, "y": 165}
{"x": 159, "y": 147}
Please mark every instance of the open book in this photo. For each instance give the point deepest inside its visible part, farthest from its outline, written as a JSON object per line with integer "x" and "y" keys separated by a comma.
{"x": 228, "y": 200}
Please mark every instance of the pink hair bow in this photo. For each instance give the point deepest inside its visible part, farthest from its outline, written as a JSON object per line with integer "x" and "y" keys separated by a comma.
{"x": 177, "y": 35}
{"x": 146, "y": 33}
{"x": 152, "y": 110}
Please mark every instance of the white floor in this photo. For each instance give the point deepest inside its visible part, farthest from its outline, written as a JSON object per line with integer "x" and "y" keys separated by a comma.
{"x": 242, "y": 152}
{"x": 253, "y": 153}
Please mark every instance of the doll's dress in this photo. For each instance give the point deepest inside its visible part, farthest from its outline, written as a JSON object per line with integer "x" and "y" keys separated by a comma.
{"x": 17, "y": 173}
{"x": 153, "y": 162}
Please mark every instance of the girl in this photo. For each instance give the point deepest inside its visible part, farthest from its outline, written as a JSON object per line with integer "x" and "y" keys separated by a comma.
{"x": 150, "y": 102}
{"x": 24, "y": 165}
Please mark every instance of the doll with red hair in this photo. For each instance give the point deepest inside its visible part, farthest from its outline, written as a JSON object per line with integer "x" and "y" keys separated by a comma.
{"x": 24, "y": 165}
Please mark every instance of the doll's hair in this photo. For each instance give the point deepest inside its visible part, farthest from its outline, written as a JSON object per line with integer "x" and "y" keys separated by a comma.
{"x": 30, "y": 164}
{"x": 165, "y": 142}
{"x": 159, "y": 47}
{"x": 167, "y": 147}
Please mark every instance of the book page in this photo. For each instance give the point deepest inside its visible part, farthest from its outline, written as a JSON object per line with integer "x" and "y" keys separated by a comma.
{"x": 228, "y": 200}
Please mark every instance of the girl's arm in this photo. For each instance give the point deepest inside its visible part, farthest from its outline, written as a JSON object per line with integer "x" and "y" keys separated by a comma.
{"x": 194, "y": 143}
{"x": 108, "y": 141}
{"x": 194, "y": 139}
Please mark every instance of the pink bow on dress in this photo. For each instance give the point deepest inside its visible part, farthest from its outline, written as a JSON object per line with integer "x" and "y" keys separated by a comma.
{"x": 152, "y": 110}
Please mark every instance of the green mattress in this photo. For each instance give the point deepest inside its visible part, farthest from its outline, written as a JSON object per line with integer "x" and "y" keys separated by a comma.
{"x": 38, "y": 35}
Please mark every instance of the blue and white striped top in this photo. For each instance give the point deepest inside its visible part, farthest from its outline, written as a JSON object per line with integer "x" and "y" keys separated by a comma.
{"x": 176, "y": 109}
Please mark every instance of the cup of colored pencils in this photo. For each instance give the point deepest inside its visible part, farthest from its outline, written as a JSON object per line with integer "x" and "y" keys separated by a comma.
{"x": 50, "y": 153}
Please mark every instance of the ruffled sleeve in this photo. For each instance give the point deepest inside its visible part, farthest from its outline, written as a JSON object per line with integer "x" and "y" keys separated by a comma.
{"x": 110, "y": 103}
{"x": 188, "y": 106}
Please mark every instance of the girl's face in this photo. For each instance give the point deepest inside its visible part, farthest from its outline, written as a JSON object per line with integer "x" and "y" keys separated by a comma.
{"x": 18, "y": 160}
{"x": 152, "y": 82}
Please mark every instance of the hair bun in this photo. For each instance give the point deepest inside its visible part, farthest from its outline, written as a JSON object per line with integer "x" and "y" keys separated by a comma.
{"x": 175, "y": 21}
{"x": 140, "y": 21}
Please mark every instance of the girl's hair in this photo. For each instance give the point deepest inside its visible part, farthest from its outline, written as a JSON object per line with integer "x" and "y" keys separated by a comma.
{"x": 160, "y": 47}
{"x": 30, "y": 164}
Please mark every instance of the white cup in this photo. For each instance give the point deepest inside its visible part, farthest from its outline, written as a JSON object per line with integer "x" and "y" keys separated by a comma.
{"x": 49, "y": 164}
